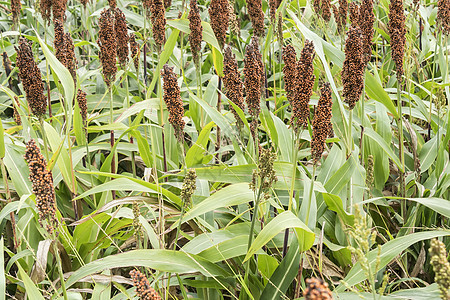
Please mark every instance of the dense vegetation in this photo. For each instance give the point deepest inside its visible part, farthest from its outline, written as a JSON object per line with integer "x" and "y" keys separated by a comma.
{"x": 225, "y": 149}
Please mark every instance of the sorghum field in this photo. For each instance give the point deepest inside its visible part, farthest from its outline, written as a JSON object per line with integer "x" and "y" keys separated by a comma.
{"x": 225, "y": 149}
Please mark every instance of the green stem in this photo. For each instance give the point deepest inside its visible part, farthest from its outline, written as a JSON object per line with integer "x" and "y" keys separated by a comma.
{"x": 311, "y": 190}
{"x": 295, "y": 138}
{"x": 60, "y": 270}
{"x": 8, "y": 198}
{"x": 44, "y": 137}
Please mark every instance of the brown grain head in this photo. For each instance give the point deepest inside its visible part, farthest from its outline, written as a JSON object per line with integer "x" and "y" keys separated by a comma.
{"x": 317, "y": 289}
{"x": 253, "y": 78}
{"x": 158, "y": 18}
{"x": 45, "y": 7}
{"x": 16, "y": 114}
{"x": 15, "y": 10}
{"x": 59, "y": 9}
{"x": 305, "y": 74}
{"x": 317, "y": 6}
{"x": 82, "y": 104}
{"x": 112, "y": 3}
{"x": 443, "y": 16}
{"x": 326, "y": 10}
{"x": 280, "y": 29}
{"x": 366, "y": 25}
{"x": 354, "y": 14}
{"x": 337, "y": 18}
{"x": 256, "y": 14}
{"x": 232, "y": 83}
{"x": 343, "y": 11}
{"x": 397, "y": 32}
{"x": 173, "y": 101}
{"x": 219, "y": 15}
{"x": 142, "y": 285}
{"x": 108, "y": 45}
{"x": 31, "y": 78}
{"x": 195, "y": 25}
{"x": 42, "y": 185}
{"x": 135, "y": 50}
{"x": 122, "y": 37}
{"x": 353, "y": 69}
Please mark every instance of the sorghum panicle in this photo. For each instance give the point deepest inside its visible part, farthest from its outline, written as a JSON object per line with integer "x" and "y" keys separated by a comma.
{"x": 326, "y": 10}
{"x": 343, "y": 11}
{"x": 82, "y": 103}
{"x": 443, "y": 16}
{"x": 232, "y": 83}
{"x": 337, "y": 18}
{"x": 108, "y": 45}
{"x": 353, "y": 70}
{"x": 369, "y": 172}
{"x": 317, "y": 289}
{"x": 256, "y": 15}
{"x": 366, "y": 24}
{"x": 143, "y": 288}
{"x": 316, "y": 6}
{"x": 15, "y": 10}
{"x": 219, "y": 15}
{"x": 397, "y": 33}
{"x": 64, "y": 48}
{"x": 135, "y": 51}
{"x": 172, "y": 98}
{"x": 234, "y": 22}
{"x": 273, "y": 9}
{"x": 112, "y": 3}
{"x": 122, "y": 37}
{"x": 42, "y": 184}
{"x": 45, "y": 7}
{"x": 188, "y": 188}
{"x": 16, "y": 114}
{"x": 290, "y": 73}
{"x": 321, "y": 123}
{"x": 354, "y": 14}
{"x": 84, "y": 2}
{"x": 265, "y": 172}
{"x": 305, "y": 71}
{"x": 31, "y": 78}
{"x": 253, "y": 76}
{"x": 280, "y": 29}
{"x": 441, "y": 267}
{"x": 137, "y": 226}
{"x": 158, "y": 17}
{"x": 59, "y": 9}
{"x": 196, "y": 35}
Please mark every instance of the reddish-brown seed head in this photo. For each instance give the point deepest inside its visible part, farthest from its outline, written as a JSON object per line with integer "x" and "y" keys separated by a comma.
{"x": 158, "y": 18}
{"x": 15, "y": 10}
{"x": 42, "y": 184}
{"x": 366, "y": 24}
{"x": 108, "y": 45}
{"x": 173, "y": 101}
{"x": 305, "y": 71}
{"x": 343, "y": 11}
{"x": 195, "y": 25}
{"x": 317, "y": 289}
{"x": 443, "y": 16}
{"x": 353, "y": 69}
{"x": 256, "y": 15}
{"x": 397, "y": 33}
{"x": 232, "y": 83}
{"x": 82, "y": 104}
{"x": 122, "y": 37}
{"x": 31, "y": 78}
{"x": 219, "y": 15}
{"x": 326, "y": 10}
{"x": 135, "y": 50}
{"x": 142, "y": 285}
{"x": 253, "y": 78}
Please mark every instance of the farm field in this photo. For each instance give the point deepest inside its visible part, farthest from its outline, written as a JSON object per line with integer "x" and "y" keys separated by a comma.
{"x": 225, "y": 149}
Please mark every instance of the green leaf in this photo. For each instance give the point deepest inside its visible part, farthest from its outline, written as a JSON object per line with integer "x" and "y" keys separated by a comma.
{"x": 144, "y": 148}
{"x": 339, "y": 180}
{"x": 18, "y": 170}
{"x": 428, "y": 154}
{"x": 369, "y": 132}
{"x": 30, "y": 287}
{"x": 284, "y": 220}
{"x": 194, "y": 155}
{"x": 236, "y": 246}
{"x": 231, "y": 195}
{"x": 389, "y": 251}
{"x": 334, "y": 203}
{"x": 375, "y": 91}
{"x": 284, "y": 274}
{"x": 63, "y": 159}
{"x": 157, "y": 259}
